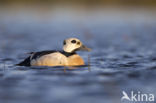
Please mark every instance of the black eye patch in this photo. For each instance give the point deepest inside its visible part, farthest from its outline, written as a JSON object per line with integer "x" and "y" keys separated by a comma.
{"x": 78, "y": 43}
{"x": 64, "y": 42}
{"x": 73, "y": 41}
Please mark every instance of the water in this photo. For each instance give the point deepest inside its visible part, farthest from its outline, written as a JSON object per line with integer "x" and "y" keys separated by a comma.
{"x": 123, "y": 56}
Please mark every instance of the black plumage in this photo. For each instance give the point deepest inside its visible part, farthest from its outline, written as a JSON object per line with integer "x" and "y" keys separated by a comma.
{"x": 35, "y": 55}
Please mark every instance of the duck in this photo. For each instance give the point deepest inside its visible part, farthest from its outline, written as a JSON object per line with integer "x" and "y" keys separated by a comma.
{"x": 66, "y": 57}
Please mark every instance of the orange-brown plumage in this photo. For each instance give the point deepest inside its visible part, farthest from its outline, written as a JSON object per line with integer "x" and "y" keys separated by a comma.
{"x": 75, "y": 60}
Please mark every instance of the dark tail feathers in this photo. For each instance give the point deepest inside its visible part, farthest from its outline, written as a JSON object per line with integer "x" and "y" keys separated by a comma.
{"x": 26, "y": 62}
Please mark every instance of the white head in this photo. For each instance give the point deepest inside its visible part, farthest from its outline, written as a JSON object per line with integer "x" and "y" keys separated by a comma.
{"x": 73, "y": 44}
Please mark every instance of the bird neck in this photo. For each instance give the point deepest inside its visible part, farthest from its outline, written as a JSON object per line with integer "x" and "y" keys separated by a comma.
{"x": 67, "y": 54}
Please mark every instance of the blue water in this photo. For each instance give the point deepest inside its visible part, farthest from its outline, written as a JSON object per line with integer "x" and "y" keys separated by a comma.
{"x": 123, "y": 58}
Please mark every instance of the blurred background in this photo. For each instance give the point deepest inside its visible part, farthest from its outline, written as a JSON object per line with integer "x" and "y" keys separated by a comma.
{"x": 121, "y": 33}
{"x": 36, "y": 23}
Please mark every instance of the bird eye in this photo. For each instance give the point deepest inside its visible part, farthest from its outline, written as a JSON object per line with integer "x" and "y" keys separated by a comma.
{"x": 64, "y": 42}
{"x": 73, "y": 41}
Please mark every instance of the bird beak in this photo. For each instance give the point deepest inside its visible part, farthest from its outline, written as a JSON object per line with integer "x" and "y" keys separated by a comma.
{"x": 84, "y": 48}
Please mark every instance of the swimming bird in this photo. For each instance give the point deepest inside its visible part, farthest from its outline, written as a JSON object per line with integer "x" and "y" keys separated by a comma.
{"x": 66, "y": 57}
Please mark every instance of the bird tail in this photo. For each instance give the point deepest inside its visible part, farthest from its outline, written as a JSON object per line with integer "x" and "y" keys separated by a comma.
{"x": 26, "y": 62}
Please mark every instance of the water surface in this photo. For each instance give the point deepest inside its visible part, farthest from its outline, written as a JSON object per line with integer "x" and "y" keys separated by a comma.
{"x": 123, "y": 56}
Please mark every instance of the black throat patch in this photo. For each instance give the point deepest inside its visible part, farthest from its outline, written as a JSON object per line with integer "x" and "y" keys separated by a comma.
{"x": 68, "y": 54}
